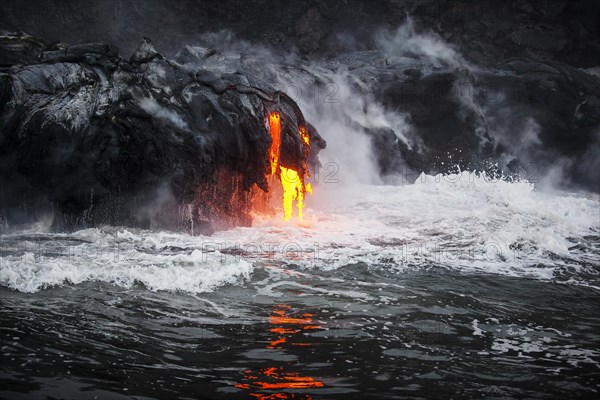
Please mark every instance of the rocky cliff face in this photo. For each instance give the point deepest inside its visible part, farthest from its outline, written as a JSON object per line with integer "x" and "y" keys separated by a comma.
{"x": 92, "y": 138}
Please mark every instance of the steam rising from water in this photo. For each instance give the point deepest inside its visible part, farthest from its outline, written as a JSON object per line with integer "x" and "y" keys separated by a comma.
{"x": 340, "y": 112}
{"x": 405, "y": 41}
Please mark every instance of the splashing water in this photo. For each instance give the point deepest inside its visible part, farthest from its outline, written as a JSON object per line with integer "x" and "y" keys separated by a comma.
{"x": 466, "y": 222}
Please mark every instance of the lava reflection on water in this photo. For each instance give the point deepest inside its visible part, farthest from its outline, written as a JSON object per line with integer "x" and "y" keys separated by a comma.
{"x": 276, "y": 380}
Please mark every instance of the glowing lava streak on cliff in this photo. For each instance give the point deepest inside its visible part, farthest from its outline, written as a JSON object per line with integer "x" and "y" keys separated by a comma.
{"x": 275, "y": 129}
{"x": 292, "y": 181}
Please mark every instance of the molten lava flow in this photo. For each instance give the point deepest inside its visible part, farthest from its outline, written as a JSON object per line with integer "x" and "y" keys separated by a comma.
{"x": 305, "y": 136}
{"x": 293, "y": 189}
{"x": 292, "y": 181}
{"x": 275, "y": 129}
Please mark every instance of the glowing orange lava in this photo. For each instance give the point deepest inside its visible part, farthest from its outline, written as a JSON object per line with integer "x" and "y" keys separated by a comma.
{"x": 305, "y": 136}
{"x": 293, "y": 189}
{"x": 292, "y": 181}
{"x": 275, "y": 129}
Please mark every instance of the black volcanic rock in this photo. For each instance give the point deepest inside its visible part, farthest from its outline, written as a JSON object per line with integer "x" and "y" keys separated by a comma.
{"x": 19, "y": 47}
{"x": 91, "y": 138}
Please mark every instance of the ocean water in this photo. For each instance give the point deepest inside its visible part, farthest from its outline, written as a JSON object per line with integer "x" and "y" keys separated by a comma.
{"x": 455, "y": 286}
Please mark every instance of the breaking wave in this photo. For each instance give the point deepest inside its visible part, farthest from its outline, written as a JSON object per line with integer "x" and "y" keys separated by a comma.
{"x": 468, "y": 222}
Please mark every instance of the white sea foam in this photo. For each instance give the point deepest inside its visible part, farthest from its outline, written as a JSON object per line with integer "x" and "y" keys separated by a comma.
{"x": 466, "y": 222}
{"x": 191, "y": 273}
